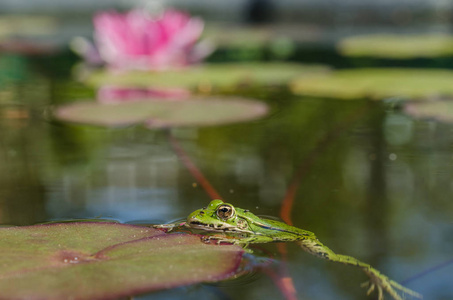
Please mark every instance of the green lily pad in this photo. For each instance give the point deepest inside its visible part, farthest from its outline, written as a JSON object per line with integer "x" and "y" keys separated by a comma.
{"x": 20, "y": 25}
{"x": 159, "y": 113}
{"x": 238, "y": 36}
{"x": 441, "y": 110}
{"x": 377, "y": 84}
{"x": 397, "y": 46}
{"x": 105, "y": 261}
{"x": 203, "y": 75}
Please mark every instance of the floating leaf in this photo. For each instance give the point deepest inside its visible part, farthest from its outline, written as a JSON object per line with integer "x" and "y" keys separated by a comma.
{"x": 105, "y": 260}
{"x": 441, "y": 110}
{"x": 397, "y": 46}
{"x": 377, "y": 84}
{"x": 158, "y": 113}
{"x": 214, "y": 74}
{"x": 239, "y": 36}
{"x": 17, "y": 25}
{"x": 251, "y": 43}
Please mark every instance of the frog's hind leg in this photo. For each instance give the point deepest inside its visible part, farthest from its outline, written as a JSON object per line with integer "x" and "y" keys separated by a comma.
{"x": 377, "y": 280}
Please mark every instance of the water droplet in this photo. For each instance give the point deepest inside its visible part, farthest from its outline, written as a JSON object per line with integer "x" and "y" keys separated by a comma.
{"x": 392, "y": 156}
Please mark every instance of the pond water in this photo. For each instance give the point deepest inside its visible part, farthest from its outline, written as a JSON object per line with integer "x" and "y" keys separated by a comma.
{"x": 370, "y": 181}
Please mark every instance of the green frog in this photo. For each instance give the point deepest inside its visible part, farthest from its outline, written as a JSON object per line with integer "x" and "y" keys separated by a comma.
{"x": 239, "y": 226}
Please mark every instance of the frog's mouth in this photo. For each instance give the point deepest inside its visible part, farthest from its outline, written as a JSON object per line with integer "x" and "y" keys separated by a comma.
{"x": 197, "y": 224}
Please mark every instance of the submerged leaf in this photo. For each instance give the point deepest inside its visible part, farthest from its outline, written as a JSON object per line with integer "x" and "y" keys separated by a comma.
{"x": 105, "y": 260}
{"x": 214, "y": 74}
{"x": 377, "y": 84}
{"x": 158, "y": 113}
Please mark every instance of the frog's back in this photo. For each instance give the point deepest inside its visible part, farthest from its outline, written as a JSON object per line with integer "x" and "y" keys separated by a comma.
{"x": 280, "y": 231}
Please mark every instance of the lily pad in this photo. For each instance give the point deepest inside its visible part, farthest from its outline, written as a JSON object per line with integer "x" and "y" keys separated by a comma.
{"x": 105, "y": 260}
{"x": 377, "y": 84}
{"x": 20, "y": 25}
{"x": 209, "y": 74}
{"x": 441, "y": 110}
{"x": 159, "y": 113}
{"x": 397, "y": 46}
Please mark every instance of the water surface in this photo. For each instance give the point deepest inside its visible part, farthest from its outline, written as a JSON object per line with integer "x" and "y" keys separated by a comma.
{"x": 370, "y": 181}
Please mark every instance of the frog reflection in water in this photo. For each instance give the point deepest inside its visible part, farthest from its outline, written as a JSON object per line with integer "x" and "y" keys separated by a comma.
{"x": 239, "y": 226}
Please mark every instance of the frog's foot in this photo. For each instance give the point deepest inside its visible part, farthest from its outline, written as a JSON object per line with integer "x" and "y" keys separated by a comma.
{"x": 221, "y": 239}
{"x": 168, "y": 227}
{"x": 371, "y": 287}
{"x": 382, "y": 283}
{"x": 218, "y": 239}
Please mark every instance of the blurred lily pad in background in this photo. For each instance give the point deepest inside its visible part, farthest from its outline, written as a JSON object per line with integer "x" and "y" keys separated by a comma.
{"x": 161, "y": 113}
{"x": 394, "y": 46}
{"x": 252, "y": 43}
{"x": 377, "y": 84}
{"x": 57, "y": 260}
{"x": 28, "y": 34}
{"x": 27, "y": 25}
{"x": 441, "y": 110}
{"x": 226, "y": 74}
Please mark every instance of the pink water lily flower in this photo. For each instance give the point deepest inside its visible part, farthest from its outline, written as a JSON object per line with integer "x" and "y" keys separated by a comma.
{"x": 138, "y": 40}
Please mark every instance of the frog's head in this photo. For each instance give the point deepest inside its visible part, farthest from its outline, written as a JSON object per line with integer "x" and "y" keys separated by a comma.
{"x": 217, "y": 216}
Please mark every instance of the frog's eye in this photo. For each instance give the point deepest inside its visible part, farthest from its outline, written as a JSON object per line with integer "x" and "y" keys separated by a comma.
{"x": 225, "y": 212}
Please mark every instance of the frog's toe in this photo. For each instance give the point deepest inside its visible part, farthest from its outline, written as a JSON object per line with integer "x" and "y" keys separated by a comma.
{"x": 206, "y": 239}
{"x": 380, "y": 293}
{"x": 371, "y": 286}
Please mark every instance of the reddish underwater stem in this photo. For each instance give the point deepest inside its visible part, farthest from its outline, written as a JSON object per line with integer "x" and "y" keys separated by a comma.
{"x": 288, "y": 201}
{"x": 196, "y": 173}
{"x": 284, "y": 281}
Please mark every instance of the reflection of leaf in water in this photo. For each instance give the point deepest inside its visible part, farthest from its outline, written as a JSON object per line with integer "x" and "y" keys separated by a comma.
{"x": 441, "y": 110}
{"x": 397, "y": 46}
{"x": 158, "y": 113}
{"x": 112, "y": 94}
{"x": 105, "y": 260}
{"x": 209, "y": 74}
{"x": 377, "y": 84}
